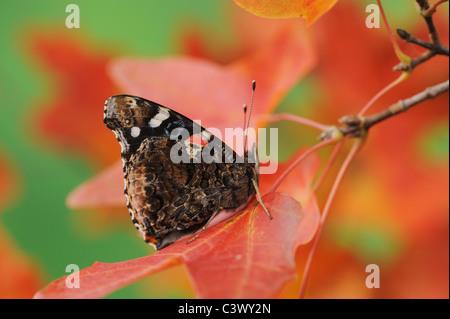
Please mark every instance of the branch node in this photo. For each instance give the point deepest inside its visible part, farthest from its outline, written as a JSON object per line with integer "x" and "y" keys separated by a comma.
{"x": 333, "y": 133}
{"x": 350, "y": 120}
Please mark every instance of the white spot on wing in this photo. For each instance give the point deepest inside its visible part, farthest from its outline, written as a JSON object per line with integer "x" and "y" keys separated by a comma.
{"x": 156, "y": 121}
{"x": 135, "y": 131}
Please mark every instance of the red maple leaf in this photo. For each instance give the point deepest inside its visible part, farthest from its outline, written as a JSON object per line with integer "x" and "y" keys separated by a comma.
{"x": 247, "y": 256}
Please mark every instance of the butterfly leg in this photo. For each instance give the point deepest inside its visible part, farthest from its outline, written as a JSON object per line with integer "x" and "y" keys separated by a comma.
{"x": 204, "y": 227}
{"x": 255, "y": 184}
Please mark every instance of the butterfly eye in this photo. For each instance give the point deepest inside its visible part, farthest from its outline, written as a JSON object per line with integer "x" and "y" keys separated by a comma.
{"x": 127, "y": 121}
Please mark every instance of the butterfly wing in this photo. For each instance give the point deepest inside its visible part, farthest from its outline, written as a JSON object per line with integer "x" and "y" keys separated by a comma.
{"x": 168, "y": 198}
{"x": 133, "y": 119}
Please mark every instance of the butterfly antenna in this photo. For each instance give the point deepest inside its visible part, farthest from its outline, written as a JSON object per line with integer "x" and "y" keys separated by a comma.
{"x": 249, "y": 116}
{"x": 245, "y": 121}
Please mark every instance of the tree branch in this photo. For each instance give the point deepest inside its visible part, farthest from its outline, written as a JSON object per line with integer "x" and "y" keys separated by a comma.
{"x": 408, "y": 37}
{"x": 355, "y": 126}
{"x": 404, "y": 105}
{"x": 433, "y": 47}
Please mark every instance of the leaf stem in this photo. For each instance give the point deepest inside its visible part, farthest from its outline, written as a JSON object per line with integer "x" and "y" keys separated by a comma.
{"x": 327, "y": 168}
{"x": 388, "y": 87}
{"x": 350, "y": 156}
{"x": 400, "y": 55}
{"x": 299, "y": 160}
{"x": 295, "y": 118}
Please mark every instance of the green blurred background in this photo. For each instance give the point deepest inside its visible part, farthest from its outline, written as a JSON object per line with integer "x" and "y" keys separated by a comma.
{"x": 38, "y": 218}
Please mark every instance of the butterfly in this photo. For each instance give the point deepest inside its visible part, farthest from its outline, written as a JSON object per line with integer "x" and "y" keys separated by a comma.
{"x": 172, "y": 189}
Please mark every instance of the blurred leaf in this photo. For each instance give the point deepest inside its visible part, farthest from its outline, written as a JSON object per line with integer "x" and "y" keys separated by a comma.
{"x": 198, "y": 88}
{"x": 102, "y": 191}
{"x": 434, "y": 145}
{"x": 369, "y": 242}
{"x": 20, "y": 276}
{"x": 8, "y": 182}
{"x": 71, "y": 120}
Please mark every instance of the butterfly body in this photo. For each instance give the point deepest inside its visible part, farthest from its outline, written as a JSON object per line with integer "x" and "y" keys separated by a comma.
{"x": 168, "y": 199}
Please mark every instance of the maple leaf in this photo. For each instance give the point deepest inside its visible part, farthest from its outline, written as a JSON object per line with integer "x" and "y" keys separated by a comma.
{"x": 252, "y": 255}
{"x": 311, "y": 10}
{"x": 261, "y": 252}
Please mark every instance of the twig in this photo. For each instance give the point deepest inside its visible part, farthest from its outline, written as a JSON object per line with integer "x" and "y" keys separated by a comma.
{"x": 436, "y": 48}
{"x": 408, "y": 37}
{"x": 355, "y": 126}
{"x": 414, "y": 62}
{"x": 428, "y": 16}
{"x": 433, "y": 47}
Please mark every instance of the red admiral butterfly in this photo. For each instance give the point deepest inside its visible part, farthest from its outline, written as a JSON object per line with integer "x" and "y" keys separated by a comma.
{"x": 168, "y": 198}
